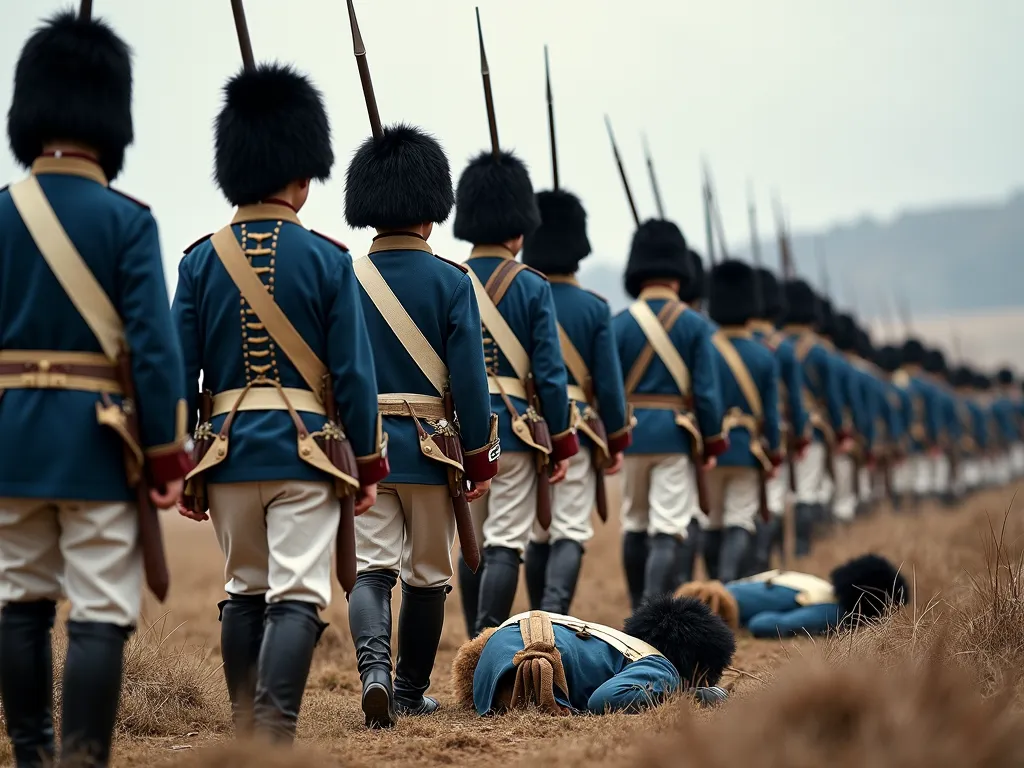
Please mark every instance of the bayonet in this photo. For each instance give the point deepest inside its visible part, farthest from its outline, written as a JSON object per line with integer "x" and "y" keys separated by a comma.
{"x": 622, "y": 171}
{"x": 654, "y": 179}
{"x": 241, "y": 27}
{"x": 485, "y": 71}
{"x": 85, "y": 10}
{"x": 364, "y": 73}
{"x": 551, "y": 122}
{"x": 716, "y": 213}
{"x": 826, "y": 289}
{"x": 709, "y": 231}
{"x": 755, "y": 242}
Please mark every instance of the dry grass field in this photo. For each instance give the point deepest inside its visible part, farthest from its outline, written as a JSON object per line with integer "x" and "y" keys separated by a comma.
{"x": 939, "y": 684}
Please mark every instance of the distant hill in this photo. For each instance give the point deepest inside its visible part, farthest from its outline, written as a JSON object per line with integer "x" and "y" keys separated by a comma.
{"x": 950, "y": 259}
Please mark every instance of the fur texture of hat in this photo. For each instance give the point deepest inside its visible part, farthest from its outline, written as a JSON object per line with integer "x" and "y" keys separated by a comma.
{"x": 770, "y": 307}
{"x": 464, "y": 667}
{"x": 864, "y": 346}
{"x": 271, "y": 130}
{"x": 934, "y": 361}
{"x": 868, "y": 587}
{"x": 1005, "y": 377}
{"x": 913, "y": 352}
{"x": 733, "y": 298}
{"x": 494, "y": 201}
{"x": 398, "y": 181}
{"x": 888, "y": 358}
{"x": 658, "y": 252}
{"x": 73, "y": 82}
{"x": 801, "y": 304}
{"x": 696, "y": 641}
{"x": 961, "y": 377}
{"x": 716, "y": 597}
{"x": 827, "y": 318}
{"x": 693, "y": 287}
{"x": 560, "y": 243}
{"x": 845, "y": 333}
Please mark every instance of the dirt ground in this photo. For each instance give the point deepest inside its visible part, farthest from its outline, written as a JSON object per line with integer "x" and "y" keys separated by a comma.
{"x": 175, "y": 706}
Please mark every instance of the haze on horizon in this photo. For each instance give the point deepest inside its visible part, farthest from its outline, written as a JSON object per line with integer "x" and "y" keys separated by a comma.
{"x": 847, "y": 108}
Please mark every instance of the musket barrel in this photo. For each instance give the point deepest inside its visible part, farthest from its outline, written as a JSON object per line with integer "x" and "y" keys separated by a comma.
{"x": 755, "y": 240}
{"x": 242, "y": 28}
{"x": 363, "y": 65}
{"x": 709, "y": 231}
{"x": 622, "y": 171}
{"x": 551, "y": 122}
{"x": 485, "y": 71}
{"x": 654, "y": 180}
{"x": 85, "y": 10}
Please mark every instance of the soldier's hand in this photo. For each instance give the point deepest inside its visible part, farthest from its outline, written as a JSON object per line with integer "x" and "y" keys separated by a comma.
{"x": 197, "y": 516}
{"x": 710, "y": 463}
{"x": 558, "y": 473}
{"x": 846, "y": 445}
{"x": 477, "y": 490}
{"x": 617, "y": 461}
{"x": 170, "y": 495}
{"x": 366, "y": 498}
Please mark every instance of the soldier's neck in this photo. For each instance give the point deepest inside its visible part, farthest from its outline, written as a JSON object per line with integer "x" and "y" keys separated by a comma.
{"x": 797, "y": 328}
{"x": 71, "y": 149}
{"x": 761, "y": 326}
{"x": 421, "y": 230}
{"x": 673, "y": 285}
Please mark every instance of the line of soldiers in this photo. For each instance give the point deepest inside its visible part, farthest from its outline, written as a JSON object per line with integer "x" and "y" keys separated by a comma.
{"x": 361, "y": 412}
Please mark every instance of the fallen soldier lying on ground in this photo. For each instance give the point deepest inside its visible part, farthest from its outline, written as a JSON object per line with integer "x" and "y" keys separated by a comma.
{"x": 565, "y": 666}
{"x": 785, "y": 603}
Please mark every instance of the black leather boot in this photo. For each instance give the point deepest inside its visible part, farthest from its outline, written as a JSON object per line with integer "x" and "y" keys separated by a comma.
{"x": 241, "y": 636}
{"x": 26, "y": 680}
{"x": 634, "y": 563}
{"x": 369, "y": 618}
{"x": 663, "y": 549}
{"x": 804, "y": 525}
{"x": 687, "y": 555}
{"x": 497, "y": 587}
{"x": 91, "y": 690}
{"x": 712, "y": 552}
{"x": 563, "y": 573}
{"x": 419, "y": 631}
{"x": 766, "y": 539}
{"x": 535, "y": 565}
{"x": 291, "y": 633}
{"x": 469, "y": 591}
{"x": 736, "y": 543}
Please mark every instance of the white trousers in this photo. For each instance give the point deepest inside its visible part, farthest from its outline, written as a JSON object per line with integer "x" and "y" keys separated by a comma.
{"x": 971, "y": 473}
{"x": 844, "y": 505}
{"x": 940, "y": 473}
{"x": 923, "y": 472}
{"x": 866, "y": 490}
{"x": 572, "y": 504}
{"x": 87, "y": 551}
{"x": 277, "y": 538}
{"x": 505, "y": 516}
{"x": 813, "y": 485}
{"x": 1017, "y": 459}
{"x": 778, "y": 490}
{"x": 659, "y": 494}
{"x": 410, "y": 530}
{"x": 734, "y": 495}
{"x": 903, "y": 476}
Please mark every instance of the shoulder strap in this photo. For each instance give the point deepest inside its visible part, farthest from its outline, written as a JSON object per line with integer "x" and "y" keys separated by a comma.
{"x": 280, "y": 328}
{"x": 67, "y": 265}
{"x": 659, "y": 340}
{"x": 502, "y": 334}
{"x": 804, "y": 346}
{"x": 741, "y": 373}
{"x": 401, "y": 324}
{"x": 574, "y": 361}
{"x": 501, "y": 279}
{"x": 668, "y": 315}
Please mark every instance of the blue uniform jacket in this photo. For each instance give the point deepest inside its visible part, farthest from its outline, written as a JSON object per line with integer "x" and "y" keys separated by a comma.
{"x": 926, "y": 425}
{"x": 772, "y": 610}
{"x": 655, "y": 431}
{"x": 438, "y": 295}
{"x": 53, "y": 447}
{"x": 823, "y": 379}
{"x": 952, "y": 421}
{"x": 791, "y": 383}
{"x": 311, "y": 280}
{"x": 1005, "y": 413}
{"x": 977, "y": 423}
{"x": 892, "y": 405}
{"x": 529, "y": 310}
{"x": 587, "y": 321}
{"x": 764, "y": 371}
{"x": 865, "y": 403}
{"x": 600, "y": 678}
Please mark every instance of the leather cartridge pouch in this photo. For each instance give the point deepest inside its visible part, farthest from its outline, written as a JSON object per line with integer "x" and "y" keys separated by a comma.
{"x": 195, "y": 497}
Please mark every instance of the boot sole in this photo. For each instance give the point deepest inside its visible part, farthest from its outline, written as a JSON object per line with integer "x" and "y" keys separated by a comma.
{"x": 377, "y": 707}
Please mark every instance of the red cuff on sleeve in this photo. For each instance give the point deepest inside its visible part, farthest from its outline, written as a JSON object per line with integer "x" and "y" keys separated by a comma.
{"x": 166, "y": 467}
{"x": 482, "y": 464}
{"x": 715, "y": 446}
{"x": 776, "y": 458}
{"x": 372, "y": 469}
{"x": 620, "y": 442}
{"x": 802, "y": 442}
{"x": 565, "y": 446}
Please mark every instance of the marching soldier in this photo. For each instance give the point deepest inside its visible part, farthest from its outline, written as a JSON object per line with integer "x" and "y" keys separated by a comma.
{"x": 277, "y": 370}
{"x": 823, "y": 403}
{"x": 592, "y": 360}
{"x": 670, "y": 369}
{"x": 792, "y": 416}
{"x": 899, "y": 408}
{"x": 863, "y": 393}
{"x": 748, "y": 374}
{"x": 924, "y": 424}
{"x": 973, "y": 441}
{"x": 84, "y": 321}
{"x": 945, "y": 461}
{"x": 1007, "y": 414}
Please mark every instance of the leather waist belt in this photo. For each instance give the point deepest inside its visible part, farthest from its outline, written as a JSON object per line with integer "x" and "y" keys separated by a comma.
{"x": 658, "y": 402}
{"x": 409, "y": 404}
{"x": 267, "y": 399}
{"x": 44, "y": 369}
{"x": 575, "y": 392}
{"x": 513, "y": 387}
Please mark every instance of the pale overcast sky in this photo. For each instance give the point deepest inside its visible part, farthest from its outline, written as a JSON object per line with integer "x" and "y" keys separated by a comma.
{"x": 845, "y": 106}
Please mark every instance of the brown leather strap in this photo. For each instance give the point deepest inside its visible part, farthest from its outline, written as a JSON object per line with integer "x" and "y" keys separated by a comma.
{"x": 501, "y": 280}
{"x": 669, "y": 314}
{"x": 104, "y": 372}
